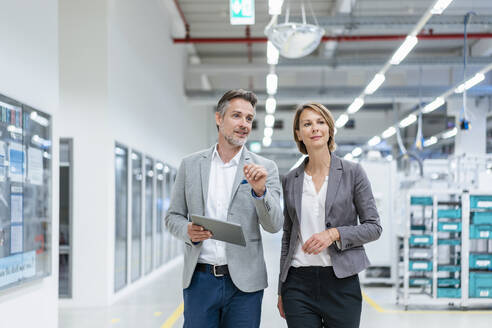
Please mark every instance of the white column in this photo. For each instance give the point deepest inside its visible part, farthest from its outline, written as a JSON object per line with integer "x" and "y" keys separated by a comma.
{"x": 84, "y": 117}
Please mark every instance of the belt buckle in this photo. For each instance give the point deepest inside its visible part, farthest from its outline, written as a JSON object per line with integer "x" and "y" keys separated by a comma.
{"x": 215, "y": 271}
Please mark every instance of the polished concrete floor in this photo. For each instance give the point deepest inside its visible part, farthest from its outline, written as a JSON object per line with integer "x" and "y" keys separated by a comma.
{"x": 154, "y": 304}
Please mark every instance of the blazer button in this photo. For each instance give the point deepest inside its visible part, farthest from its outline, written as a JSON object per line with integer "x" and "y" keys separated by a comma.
{"x": 328, "y": 224}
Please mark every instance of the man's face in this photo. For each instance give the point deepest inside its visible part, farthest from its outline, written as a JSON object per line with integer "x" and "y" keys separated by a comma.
{"x": 236, "y": 124}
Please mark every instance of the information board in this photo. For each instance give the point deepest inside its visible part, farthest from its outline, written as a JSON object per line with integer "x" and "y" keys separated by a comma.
{"x": 25, "y": 193}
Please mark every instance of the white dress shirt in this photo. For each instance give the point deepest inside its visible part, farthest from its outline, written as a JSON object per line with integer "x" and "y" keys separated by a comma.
{"x": 219, "y": 193}
{"x": 312, "y": 221}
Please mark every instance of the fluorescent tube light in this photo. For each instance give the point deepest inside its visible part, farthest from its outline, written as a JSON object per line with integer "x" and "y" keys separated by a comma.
{"x": 440, "y": 6}
{"x": 272, "y": 54}
{"x": 404, "y": 50}
{"x": 450, "y": 133}
{"x": 270, "y": 105}
{"x": 299, "y": 161}
{"x": 476, "y": 79}
{"x": 275, "y": 7}
{"x": 356, "y": 152}
{"x": 410, "y": 119}
{"x": 374, "y": 84}
{"x": 430, "y": 141}
{"x": 341, "y": 121}
{"x": 374, "y": 141}
{"x": 388, "y": 132}
{"x": 267, "y": 141}
{"x": 269, "y": 120}
{"x": 272, "y": 83}
{"x": 432, "y": 106}
{"x": 355, "y": 105}
{"x": 268, "y": 132}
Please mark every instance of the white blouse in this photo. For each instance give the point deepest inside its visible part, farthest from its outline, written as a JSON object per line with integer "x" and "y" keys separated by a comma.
{"x": 312, "y": 221}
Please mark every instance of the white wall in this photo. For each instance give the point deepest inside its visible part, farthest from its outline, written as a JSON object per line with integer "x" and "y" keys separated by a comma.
{"x": 146, "y": 83}
{"x": 29, "y": 74}
{"x": 121, "y": 80}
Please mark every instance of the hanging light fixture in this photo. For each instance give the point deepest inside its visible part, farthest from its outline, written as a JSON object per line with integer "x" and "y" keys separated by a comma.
{"x": 295, "y": 40}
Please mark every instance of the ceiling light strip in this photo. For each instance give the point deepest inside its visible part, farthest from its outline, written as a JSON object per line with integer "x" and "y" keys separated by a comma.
{"x": 399, "y": 55}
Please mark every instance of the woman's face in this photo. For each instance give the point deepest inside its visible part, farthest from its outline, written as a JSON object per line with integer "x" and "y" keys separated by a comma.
{"x": 313, "y": 130}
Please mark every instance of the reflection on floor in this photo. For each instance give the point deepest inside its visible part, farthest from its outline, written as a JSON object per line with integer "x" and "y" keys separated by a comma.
{"x": 153, "y": 304}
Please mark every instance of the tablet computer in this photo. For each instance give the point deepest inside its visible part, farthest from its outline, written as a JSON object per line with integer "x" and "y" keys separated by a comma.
{"x": 221, "y": 230}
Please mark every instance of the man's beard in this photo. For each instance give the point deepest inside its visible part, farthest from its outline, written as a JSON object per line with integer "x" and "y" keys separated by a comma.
{"x": 231, "y": 140}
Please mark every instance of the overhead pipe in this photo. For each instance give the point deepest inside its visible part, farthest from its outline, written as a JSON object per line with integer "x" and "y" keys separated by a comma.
{"x": 183, "y": 18}
{"x": 343, "y": 38}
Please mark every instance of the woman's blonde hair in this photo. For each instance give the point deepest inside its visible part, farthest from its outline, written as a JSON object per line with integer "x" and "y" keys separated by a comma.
{"x": 325, "y": 113}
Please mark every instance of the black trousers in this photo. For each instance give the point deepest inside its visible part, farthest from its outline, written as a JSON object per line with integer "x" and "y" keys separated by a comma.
{"x": 314, "y": 297}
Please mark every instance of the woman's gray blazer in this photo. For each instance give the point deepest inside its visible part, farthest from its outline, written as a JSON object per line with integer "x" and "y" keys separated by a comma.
{"x": 348, "y": 197}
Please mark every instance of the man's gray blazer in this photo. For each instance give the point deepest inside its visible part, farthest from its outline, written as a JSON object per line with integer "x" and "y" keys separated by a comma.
{"x": 246, "y": 264}
{"x": 348, "y": 197}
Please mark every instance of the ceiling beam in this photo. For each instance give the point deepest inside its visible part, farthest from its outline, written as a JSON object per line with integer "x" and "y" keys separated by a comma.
{"x": 352, "y": 22}
{"x": 340, "y": 95}
{"x": 317, "y": 64}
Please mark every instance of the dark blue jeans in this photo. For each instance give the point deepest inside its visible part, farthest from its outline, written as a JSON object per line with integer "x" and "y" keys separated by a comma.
{"x": 216, "y": 302}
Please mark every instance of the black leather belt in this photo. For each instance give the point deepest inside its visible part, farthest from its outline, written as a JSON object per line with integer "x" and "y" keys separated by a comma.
{"x": 216, "y": 270}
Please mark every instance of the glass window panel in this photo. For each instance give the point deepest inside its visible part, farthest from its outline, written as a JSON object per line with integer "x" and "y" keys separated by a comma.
{"x": 64, "y": 288}
{"x": 64, "y": 206}
{"x": 167, "y": 201}
{"x": 64, "y": 259}
{"x": 159, "y": 169}
{"x": 121, "y": 217}
{"x": 149, "y": 211}
{"x": 136, "y": 215}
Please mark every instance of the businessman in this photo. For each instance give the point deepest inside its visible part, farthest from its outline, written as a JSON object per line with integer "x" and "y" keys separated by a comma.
{"x": 223, "y": 283}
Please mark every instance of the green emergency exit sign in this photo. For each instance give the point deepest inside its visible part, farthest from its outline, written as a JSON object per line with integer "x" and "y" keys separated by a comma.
{"x": 242, "y": 12}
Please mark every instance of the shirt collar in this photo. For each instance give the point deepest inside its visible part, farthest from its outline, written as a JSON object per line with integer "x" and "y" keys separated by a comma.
{"x": 233, "y": 161}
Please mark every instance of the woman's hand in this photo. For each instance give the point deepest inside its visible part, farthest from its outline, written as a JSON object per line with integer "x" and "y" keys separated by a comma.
{"x": 280, "y": 307}
{"x": 320, "y": 241}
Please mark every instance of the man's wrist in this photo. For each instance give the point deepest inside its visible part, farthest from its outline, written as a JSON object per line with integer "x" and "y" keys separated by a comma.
{"x": 257, "y": 194}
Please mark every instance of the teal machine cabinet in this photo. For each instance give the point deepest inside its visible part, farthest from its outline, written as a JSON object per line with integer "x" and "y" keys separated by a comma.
{"x": 445, "y": 254}
{"x": 480, "y": 250}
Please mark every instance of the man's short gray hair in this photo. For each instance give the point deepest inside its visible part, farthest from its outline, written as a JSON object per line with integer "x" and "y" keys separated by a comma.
{"x": 249, "y": 96}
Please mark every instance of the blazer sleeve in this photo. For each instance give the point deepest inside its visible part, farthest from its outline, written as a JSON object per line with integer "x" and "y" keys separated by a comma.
{"x": 268, "y": 207}
{"x": 176, "y": 219}
{"x": 287, "y": 229}
{"x": 369, "y": 228}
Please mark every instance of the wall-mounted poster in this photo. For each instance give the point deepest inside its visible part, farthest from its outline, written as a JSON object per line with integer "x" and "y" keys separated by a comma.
{"x": 35, "y": 166}
{"x": 16, "y": 161}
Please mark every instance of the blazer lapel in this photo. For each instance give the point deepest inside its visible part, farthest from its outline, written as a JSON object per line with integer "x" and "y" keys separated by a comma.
{"x": 298, "y": 188}
{"x": 205, "y": 164}
{"x": 333, "y": 183}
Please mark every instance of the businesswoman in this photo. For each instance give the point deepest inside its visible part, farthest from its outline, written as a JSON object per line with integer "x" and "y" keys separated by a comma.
{"x": 330, "y": 214}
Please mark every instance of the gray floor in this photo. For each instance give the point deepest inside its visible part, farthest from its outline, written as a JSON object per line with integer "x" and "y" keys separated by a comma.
{"x": 154, "y": 303}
